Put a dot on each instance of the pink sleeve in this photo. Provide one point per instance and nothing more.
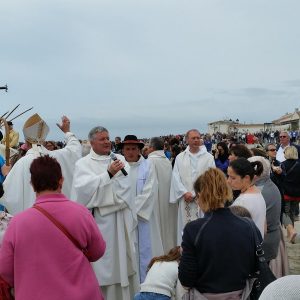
(7, 256)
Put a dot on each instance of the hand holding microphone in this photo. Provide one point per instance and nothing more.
(117, 165)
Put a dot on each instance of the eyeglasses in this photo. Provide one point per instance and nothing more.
(282, 136)
(272, 150)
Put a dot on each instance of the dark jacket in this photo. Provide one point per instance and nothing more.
(223, 257)
(291, 178)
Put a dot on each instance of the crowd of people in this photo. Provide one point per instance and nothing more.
(144, 219)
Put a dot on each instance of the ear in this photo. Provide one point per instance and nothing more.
(60, 182)
(247, 178)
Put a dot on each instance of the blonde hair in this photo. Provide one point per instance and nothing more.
(291, 152)
(212, 190)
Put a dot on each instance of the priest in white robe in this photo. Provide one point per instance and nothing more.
(100, 186)
(189, 165)
(167, 211)
(144, 189)
(18, 192)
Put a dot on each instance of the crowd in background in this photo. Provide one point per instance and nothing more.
(152, 205)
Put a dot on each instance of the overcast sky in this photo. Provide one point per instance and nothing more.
(149, 67)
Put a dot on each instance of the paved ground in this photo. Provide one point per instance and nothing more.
(294, 253)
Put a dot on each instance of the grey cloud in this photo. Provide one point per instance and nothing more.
(292, 83)
(254, 92)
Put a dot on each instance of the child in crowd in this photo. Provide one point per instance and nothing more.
(162, 276)
(240, 211)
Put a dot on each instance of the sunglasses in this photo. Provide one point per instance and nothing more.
(272, 150)
(282, 136)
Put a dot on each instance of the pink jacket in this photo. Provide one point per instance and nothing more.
(40, 262)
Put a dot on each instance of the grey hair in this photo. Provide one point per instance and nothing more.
(266, 165)
(157, 143)
(191, 130)
(96, 130)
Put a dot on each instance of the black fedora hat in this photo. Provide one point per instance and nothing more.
(132, 139)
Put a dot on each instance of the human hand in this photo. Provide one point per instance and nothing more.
(5, 169)
(216, 153)
(65, 124)
(188, 197)
(116, 166)
(276, 169)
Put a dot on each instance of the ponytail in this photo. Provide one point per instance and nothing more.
(257, 167)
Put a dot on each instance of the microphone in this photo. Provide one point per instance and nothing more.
(113, 157)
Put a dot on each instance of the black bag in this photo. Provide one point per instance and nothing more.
(264, 276)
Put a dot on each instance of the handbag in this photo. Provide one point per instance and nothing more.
(63, 229)
(264, 275)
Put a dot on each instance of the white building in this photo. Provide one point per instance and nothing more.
(229, 126)
(289, 121)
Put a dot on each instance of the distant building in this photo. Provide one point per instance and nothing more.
(289, 121)
(221, 126)
(229, 126)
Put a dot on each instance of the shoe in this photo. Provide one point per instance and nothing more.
(292, 238)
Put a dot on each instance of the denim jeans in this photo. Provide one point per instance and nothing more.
(150, 296)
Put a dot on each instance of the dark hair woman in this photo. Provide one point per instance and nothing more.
(221, 155)
(241, 174)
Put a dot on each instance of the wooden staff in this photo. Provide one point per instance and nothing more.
(22, 113)
(7, 150)
(12, 111)
(1, 118)
(4, 114)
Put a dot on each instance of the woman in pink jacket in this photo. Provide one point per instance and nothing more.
(37, 258)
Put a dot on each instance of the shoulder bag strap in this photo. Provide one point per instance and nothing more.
(60, 227)
(252, 225)
(201, 230)
(292, 168)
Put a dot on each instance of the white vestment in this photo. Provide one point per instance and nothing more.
(184, 174)
(18, 192)
(114, 212)
(167, 211)
(144, 189)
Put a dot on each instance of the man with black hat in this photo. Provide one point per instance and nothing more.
(13, 136)
(144, 188)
